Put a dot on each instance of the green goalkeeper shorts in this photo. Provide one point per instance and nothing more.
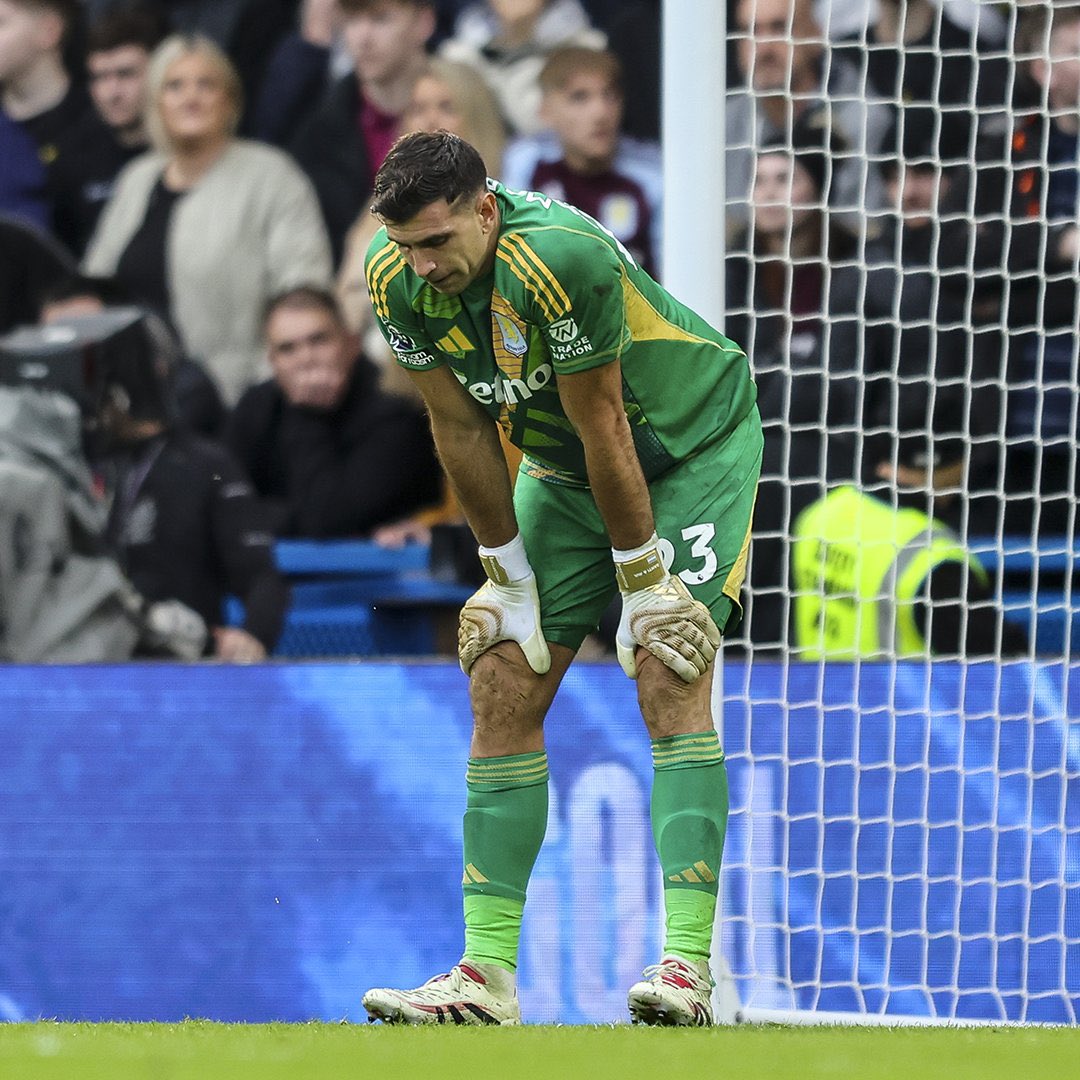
(703, 509)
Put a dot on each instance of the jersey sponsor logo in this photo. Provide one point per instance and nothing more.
(416, 359)
(509, 391)
(514, 341)
(564, 331)
(399, 342)
(581, 347)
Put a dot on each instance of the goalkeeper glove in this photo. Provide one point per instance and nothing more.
(660, 614)
(505, 608)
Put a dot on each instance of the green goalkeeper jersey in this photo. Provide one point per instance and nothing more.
(564, 296)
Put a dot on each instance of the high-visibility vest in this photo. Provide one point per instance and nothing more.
(858, 566)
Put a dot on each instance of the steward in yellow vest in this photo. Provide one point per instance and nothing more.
(859, 572)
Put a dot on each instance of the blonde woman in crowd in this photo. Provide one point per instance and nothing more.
(447, 95)
(206, 227)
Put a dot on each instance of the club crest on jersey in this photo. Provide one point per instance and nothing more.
(564, 331)
(399, 342)
(514, 341)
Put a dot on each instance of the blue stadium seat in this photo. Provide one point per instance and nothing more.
(1037, 586)
(354, 598)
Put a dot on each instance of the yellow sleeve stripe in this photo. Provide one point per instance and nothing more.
(386, 266)
(545, 304)
(529, 258)
(538, 277)
(519, 242)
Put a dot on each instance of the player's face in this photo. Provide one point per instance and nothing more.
(586, 113)
(449, 246)
(784, 195)
(386, 37)
(195, 103)
(311, 354)
(118, 84)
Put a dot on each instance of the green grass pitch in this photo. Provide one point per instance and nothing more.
(199, 1050)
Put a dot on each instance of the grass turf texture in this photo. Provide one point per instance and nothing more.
(200, 1050)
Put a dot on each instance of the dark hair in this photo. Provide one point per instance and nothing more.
(423, 168)
(126, 24)
(106, 289)
(813, 144)
(358, 7)
(303, 297)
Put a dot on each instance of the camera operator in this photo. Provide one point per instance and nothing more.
(184, 522)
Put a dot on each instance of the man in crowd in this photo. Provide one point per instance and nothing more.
(789, 73)
(93, 152)
(637, 421)
(343, 143)
(37, 91)
(330, 453)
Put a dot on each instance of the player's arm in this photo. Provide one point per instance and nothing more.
(659, 614)
(468, 443)
(507, 606)
(594, 405)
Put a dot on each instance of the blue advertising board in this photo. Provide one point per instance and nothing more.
(264, 843)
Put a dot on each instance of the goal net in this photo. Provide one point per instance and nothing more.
(902, 196)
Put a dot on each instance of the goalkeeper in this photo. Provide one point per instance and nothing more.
(642, 448)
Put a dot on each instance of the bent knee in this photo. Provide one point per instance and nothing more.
(671, 706)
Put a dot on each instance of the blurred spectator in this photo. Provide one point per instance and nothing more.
(447, 95)
(38, 93)
(915, 55)
(192, 398)
(94, 151)
(914, 322)
(184, 522)
(634, 37)
(330, 453)
(23, 191)
(785, 274)
(1010, 236)
(247, 31)
(343, 144)
(507, 41)
(30, 262)
(588, 163)
(874, 580)
(207, 227)
(298, 73)
(789, 72)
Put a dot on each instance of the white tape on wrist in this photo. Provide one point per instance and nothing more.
(506, 563)
(638, 568)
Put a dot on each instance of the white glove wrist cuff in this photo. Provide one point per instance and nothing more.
(506, 563)
(638, 568)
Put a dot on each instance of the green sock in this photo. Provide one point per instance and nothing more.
(505, 821)
(689, 819)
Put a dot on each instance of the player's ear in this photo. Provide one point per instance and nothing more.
(489, 211)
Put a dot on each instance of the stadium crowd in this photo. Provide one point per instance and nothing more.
(902, 193)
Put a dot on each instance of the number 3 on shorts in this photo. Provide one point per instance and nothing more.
(701, 538)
